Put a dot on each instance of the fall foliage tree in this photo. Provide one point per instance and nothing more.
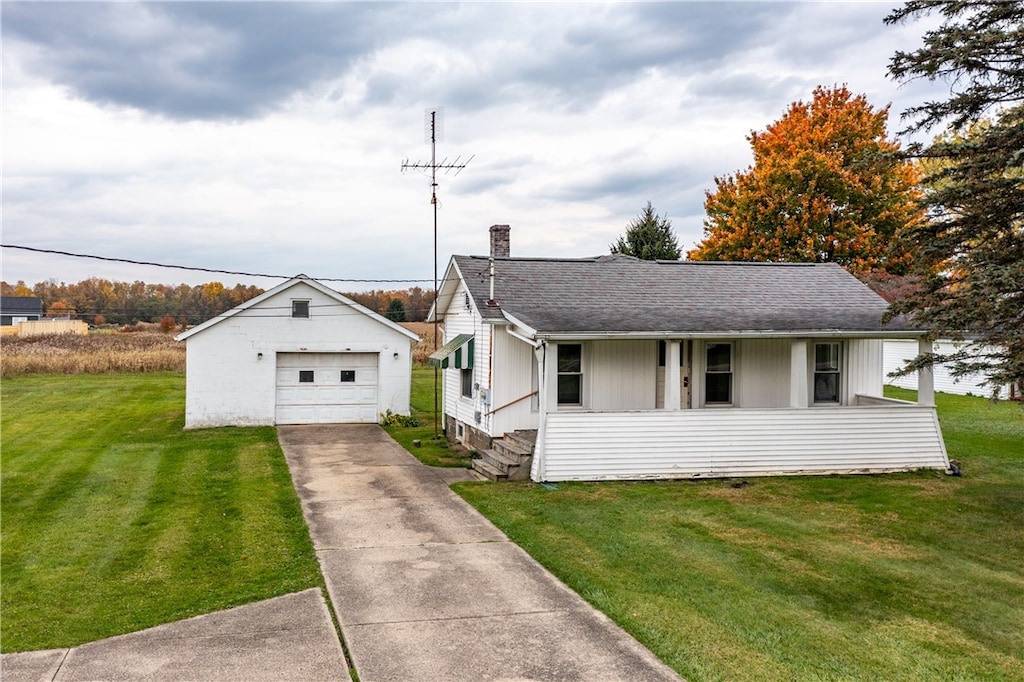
(58, 310)
(415, 302)
(971, 253)
(101, 301)
(649, 237)
(824, 187)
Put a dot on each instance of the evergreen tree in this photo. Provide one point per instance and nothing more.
(971, 253)
(396, 310)
(649, 237)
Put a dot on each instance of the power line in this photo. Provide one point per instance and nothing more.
(199, 269)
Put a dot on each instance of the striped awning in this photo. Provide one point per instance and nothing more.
(457, 353)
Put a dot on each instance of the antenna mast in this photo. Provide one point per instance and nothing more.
(433, 133)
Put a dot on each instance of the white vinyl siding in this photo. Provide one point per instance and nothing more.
(514, 376)
(863, 358)
(459, 319)
(726, 443)
(764, 380)
(898, 352)
(622, 374)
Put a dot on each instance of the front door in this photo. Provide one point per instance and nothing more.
(684, 375)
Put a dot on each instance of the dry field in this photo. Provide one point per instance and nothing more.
(91, 354)
(426, 346)
(124, 352)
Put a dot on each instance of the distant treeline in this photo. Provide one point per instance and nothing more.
(101, 301)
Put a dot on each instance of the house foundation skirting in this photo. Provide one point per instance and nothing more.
(460, 432)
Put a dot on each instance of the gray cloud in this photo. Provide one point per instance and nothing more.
(191, 60)
(238, 60)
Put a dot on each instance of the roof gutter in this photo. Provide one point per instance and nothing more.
(515, 334)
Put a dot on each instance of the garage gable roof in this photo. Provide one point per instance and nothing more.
(298, 279)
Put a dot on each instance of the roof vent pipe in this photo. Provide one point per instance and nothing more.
(490, 298)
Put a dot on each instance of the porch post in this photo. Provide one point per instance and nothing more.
(671, 397)
(925, 376)
(798, 373)
(549, 385)
(697, 362)
(545, 360)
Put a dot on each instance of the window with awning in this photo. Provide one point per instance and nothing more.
(457, 353)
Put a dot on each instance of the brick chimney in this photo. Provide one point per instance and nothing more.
(499, 241)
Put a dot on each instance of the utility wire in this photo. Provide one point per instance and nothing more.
(198, 269)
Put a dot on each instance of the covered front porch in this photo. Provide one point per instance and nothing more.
(726, 408)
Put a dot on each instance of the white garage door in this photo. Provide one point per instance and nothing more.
(326, 388)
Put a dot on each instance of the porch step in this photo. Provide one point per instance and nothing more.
(509, 457)
(527, 438)
(488, 470)
(513, 450)
(500, 460)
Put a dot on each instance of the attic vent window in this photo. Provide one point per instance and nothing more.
(300, 309)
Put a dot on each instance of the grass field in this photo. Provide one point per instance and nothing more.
(114, 519)
(432, 451)
(898, 577)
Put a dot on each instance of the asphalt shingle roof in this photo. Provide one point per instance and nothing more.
(21, 305)
(620, 294)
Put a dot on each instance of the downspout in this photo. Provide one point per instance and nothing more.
(537, 468)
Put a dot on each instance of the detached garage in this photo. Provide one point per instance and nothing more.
(299, 353)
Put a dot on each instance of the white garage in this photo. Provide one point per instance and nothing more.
(299, 353)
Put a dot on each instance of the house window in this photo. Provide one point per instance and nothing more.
(305, 376)
(718, 374)
(570, 374)
(826, 373)
(300, 309)
(348, 375)
(467, 383)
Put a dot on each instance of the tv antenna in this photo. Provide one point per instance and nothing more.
(433, 127)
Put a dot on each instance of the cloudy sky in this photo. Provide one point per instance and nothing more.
(269, 137)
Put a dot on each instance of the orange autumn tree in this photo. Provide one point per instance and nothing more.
(825, 186)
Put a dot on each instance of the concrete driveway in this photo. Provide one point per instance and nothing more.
(285, 638)
(425, 588)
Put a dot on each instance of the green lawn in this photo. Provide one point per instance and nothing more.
(431, 451)
(898, 577)
(114, 519)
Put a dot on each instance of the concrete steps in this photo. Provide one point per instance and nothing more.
(509, 457)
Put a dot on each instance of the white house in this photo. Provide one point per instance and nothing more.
(898, 352)
(17, 309)
(299, 353)
(616, 368)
